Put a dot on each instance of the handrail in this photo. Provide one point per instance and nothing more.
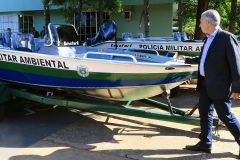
(129, 49)
(111, 54)
(50, 36)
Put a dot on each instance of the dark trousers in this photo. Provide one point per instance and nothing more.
(223, 110)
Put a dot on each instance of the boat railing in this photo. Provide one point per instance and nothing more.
(6, 48)
(109, 56)
(136, 50)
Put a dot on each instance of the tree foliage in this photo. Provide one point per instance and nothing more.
(69, 7)
(46, 7)
(222, 6)
(146, 18)
(113, 6)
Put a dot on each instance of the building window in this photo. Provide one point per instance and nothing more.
(9, 21)
(89, 24)
(25, 23)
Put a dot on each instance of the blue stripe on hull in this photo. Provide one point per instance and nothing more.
(42, 80)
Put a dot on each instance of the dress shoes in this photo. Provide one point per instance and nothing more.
(239, 153)
(197, 147)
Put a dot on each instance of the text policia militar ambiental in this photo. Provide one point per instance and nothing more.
(33, 61)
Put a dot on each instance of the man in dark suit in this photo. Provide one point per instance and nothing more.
(218, 80)
(34, 32)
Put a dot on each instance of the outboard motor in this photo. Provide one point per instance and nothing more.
(106, 32)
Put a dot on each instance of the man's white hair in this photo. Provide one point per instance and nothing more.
(212, 15)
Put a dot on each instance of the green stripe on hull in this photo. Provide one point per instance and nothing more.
(180, 53)
(163, 53)
(92, 75)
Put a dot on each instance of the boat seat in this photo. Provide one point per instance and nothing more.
(183, 36)
(23, 42)
(1, 41)
(16, 41)
(180, 36)
(127, 36)
(176, 36)
(6, 36)
(39, 42)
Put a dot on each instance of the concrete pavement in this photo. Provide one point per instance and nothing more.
(102, 136)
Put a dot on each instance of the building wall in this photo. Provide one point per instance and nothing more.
(30, 5)
(55, 17)
(140, 2)
(24, 5)
(160, 20)
(21, 5)
(161, 14)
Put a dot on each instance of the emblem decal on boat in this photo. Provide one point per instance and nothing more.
(101, 50)
(82, 71)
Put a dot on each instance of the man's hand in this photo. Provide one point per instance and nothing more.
(181, 57)
(236, 95)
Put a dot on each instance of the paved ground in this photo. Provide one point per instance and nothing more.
(65, 134)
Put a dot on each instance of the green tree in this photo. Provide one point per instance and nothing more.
(233, 15)
(46, 6)
(202, 6)
(189, 15)
(146, 18)
(69, 7)
(109, 6)
(229, 15)
(180, 16)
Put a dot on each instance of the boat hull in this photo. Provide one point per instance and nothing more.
(127, 93)
(103, 79)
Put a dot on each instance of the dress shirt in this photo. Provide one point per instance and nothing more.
(210, 38)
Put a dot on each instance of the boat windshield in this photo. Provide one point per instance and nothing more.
(64, 35)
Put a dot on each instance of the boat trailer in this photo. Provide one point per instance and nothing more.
(71, 100)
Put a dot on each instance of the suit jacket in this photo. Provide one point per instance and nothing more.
(221, 67)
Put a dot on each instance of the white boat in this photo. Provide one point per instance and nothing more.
(178, 43)
(59, 62)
